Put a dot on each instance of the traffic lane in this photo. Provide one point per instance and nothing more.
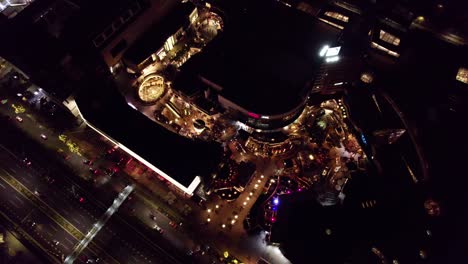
(50, 232)
(35, 223)
(54, 195)
(17, 204)
(34, 150)
(173, 235)
(31, 177)
(65, 206)
(45, 230)
(50, 236)
(118, 251)
(126, 245)
(140, 246)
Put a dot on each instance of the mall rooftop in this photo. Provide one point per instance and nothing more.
(263, 60)
(178, 159)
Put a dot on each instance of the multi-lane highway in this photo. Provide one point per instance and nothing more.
(56, 212)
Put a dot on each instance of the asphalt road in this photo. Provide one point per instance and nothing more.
(119, 240)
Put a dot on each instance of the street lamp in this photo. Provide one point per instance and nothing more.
(209, 210)
(208, 219)
(223, 226)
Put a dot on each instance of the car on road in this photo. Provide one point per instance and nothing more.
(87, 162)
(19, 119)
(174, 224)
(43, 136)
(153, 217)
(27, 162)
(94, 171)
(111, 171)
(158, 228)
(93, 260)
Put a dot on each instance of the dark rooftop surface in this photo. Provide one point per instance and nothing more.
(181, 158)
(154, 38)
(264, 57)
(396, 225)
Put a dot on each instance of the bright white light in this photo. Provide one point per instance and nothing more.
(132, 106)
(36, 92)
(332, 59)
(323, 51)
(333, 51)
(276, 201)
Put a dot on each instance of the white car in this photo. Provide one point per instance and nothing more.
(158, 228)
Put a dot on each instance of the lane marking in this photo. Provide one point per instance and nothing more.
(53, 214)
(31, 239)
(69, 241)
(13, 203)
(17, 198)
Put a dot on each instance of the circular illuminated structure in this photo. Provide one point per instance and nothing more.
(152, 88)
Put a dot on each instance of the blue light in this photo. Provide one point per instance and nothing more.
(363, 139)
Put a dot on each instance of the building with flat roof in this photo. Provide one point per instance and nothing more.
(183, 162)
(160, 38)
(261, 66)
